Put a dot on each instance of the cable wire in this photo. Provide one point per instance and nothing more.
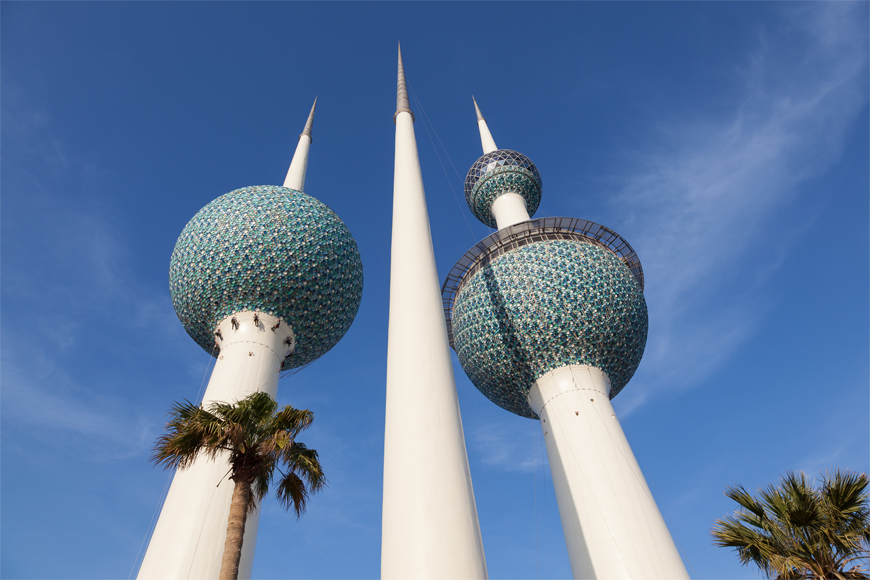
(200, 392)
(426, 117)
(137, 563)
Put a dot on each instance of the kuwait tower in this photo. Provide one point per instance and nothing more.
(549, 322)
(430, 527)
(264, 278)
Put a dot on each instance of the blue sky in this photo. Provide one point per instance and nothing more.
(727, 142)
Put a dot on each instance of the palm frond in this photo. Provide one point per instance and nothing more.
(263, 476)
(291, 420)
(745, 499)
(292, 493)
(253, 438)
(795, 530)
(304, 462)
(190, 432)
(846, 492)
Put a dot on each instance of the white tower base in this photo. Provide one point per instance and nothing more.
(610, 520)
(188, 541)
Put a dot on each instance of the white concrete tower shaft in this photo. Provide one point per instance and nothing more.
(188, 540)
(430, 527)
(508, 208)
(612, 526)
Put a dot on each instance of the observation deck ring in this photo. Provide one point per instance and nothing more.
(528, 232)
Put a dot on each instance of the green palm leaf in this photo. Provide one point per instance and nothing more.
(257, 439)
(795, 530)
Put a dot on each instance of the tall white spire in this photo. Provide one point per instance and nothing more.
(402, 103)
(486, 139)
(509, 208)
(430, 527)
(296, 174)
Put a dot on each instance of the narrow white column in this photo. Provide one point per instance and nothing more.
(430, 528)
(509, 209)
(188, 541)
(299, 165)
(610, 520)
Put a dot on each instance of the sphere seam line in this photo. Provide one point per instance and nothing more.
(240, 342)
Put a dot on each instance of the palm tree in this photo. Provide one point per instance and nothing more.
(257, 440)
(796, 531)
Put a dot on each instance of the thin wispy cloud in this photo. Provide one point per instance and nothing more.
(69, 271)
(42, 398)
(500, 445)
(704, 191)
(839, 446)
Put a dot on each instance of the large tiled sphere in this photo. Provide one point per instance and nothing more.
(543, 306)
(497, 173)
(268, 249)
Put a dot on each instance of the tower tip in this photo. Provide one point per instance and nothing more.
(402, 103)
(477, 109)
(309, 124)
(485, 136)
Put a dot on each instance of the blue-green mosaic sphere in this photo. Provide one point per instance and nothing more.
(268, 249)
(497, 173)
(543, 306)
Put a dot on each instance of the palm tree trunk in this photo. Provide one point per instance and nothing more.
(235, 530)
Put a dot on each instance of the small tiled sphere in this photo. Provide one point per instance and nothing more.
(268, 249)
(497, 173)
(546, 305)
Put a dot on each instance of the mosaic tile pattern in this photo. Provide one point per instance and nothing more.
(543, 306)
(268, 249)
(497, 173)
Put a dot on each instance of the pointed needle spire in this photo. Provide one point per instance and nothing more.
(299, 166)
(486, 139)
(422, 414)
(402, 103)
(477, 109)
(310, 122)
